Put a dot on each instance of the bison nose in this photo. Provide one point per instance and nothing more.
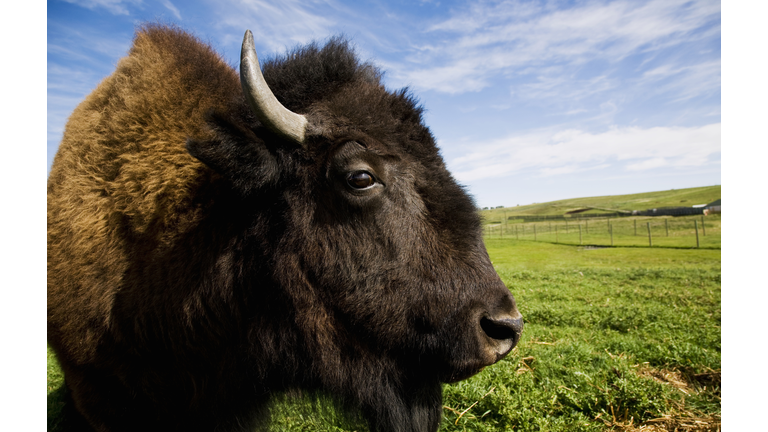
(503, 332)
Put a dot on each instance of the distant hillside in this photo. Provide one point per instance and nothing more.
(611, 203)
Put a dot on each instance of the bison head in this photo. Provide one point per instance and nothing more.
(384, 281)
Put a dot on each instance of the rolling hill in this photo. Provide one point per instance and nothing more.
(611, 203)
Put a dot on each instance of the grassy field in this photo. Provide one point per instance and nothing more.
(641, 201)
(615, 339)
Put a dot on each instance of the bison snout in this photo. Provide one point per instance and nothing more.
(502, 333)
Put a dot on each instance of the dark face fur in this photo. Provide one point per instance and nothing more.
(379, 237)
(398, 252)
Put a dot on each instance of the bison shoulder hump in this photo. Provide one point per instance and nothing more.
(123, 149)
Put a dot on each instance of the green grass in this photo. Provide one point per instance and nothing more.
(613, 338)
(613, 334)
(641, 201)
(55, 393)
(510, 255)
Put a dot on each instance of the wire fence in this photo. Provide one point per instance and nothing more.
(685, 231)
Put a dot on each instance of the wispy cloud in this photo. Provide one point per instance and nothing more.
(280, 24)
(564, 88)
(512, 38)
(685, 81)
(77, 44)
(116, 7)
(172, 8)
(550, 153)
(123, 7)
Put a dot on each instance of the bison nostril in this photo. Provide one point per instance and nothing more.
(502, 329)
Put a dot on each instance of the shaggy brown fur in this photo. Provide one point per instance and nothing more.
(197, 263)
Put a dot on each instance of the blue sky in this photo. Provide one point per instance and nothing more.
(529, 101)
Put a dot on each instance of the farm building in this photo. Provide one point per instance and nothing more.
(712, 208)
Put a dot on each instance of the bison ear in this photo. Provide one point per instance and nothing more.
(237, 154)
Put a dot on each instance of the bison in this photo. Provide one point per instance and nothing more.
(215, 239)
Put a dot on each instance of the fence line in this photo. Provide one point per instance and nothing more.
(681, 231)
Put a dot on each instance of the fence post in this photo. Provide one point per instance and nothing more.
(587, 226)
(580, 234)
(610, 228)
(650, 242)
(666, 225)
(517, 236)
(703, 229)
(696, 226)
(556, 238)
(635, 226)
(534, 232)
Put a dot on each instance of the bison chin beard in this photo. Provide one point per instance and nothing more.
(436, 367)
(460, 359)
(415, 405)
(450, 374)
(461, 374)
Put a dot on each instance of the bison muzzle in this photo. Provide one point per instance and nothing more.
(214, 239)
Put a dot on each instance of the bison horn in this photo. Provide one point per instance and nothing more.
(263, 102)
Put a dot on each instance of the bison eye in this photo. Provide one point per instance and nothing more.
(360, 180)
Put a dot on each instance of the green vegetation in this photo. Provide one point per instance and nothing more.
(615, 339)
(55, 393)
(603, 204)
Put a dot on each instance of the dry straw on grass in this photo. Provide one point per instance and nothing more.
(668, 423)
(681, 419)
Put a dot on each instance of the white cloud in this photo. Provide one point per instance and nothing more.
(551, 153)
(172, 8)
(116, 7)
(510, 37)
(79, 45)
(685, 81)
(120, 7)
(568, 90)
(278, 25)
(648, 164)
